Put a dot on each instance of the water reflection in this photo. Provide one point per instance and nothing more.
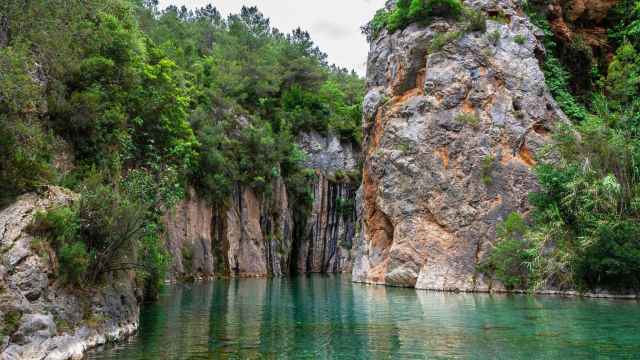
(329, 317)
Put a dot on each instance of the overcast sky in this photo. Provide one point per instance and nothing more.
(334, 24)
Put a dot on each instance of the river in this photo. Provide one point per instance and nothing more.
(328, 317)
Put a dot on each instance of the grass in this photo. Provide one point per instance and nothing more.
(486, 169)
(500, 17)
(10, 322)
(403, 147)
(442, 39)
(468, 119)
(520, 39)
(477, 20)
(95, 320)
(494, 37)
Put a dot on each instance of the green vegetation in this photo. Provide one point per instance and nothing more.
(477, 20)
(508, 260)
(585, 227)
(486, 169)
(442, 39)
(407, 12)
(104, 231)
(10, 322)
(500, 17)
(143, 103)
(345, 207)
(494, 37)
(470, 119)
(519, 39)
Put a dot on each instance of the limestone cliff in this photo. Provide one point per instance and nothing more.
(450, 138)
(40, 318)
(261, 234)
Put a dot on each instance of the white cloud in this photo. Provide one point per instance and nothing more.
(333, 24)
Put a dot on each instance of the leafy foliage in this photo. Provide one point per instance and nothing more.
(585, 226)
(109, 229)
(410, 11)
(442, 39)
(507, 261)
(154, 101)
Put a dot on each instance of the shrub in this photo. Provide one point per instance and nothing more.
(494, 37)
(10, 322)
(410, 11)
(399, 18)
(379, 22)
(26, 157)
(507, 260)
(74, 262)
(109, 229)
(486, 169)
(520, 39)
(444, 8)
(468, 119)
(417, 9)
(477, 20)
(442, 39)
(500, 17)
(60, 225)
(345, 207)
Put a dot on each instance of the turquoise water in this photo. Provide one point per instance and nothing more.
(328, 317)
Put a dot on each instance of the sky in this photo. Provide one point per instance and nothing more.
(334, 25)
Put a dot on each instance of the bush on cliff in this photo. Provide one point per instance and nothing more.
(407, 12)
(585, 230)
(109, 229)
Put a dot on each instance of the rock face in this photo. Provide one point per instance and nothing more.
(325, 246)
(250, 237)
(450, 135)
(570, 19)
(39, 317)
(266, 235)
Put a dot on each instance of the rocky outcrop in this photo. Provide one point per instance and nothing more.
(328, 154)
(572, 19)
(40, 318)
(264, 234)
(450, 138)
(324, 246)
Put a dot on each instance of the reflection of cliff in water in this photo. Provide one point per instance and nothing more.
(327, 316)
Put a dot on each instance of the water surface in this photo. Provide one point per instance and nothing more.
(322, 317)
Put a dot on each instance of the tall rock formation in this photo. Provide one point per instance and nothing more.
(325, 244)
(450, 138)
(265, 234)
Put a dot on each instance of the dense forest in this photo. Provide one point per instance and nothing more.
(130, 105)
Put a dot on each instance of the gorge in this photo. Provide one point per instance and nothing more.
(217, 187)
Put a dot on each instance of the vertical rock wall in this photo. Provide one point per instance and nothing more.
(450, 138)
(256, 235)
(325, 246)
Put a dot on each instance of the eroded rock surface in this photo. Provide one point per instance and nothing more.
(265, 234)
(40, 318)
(450, 138)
